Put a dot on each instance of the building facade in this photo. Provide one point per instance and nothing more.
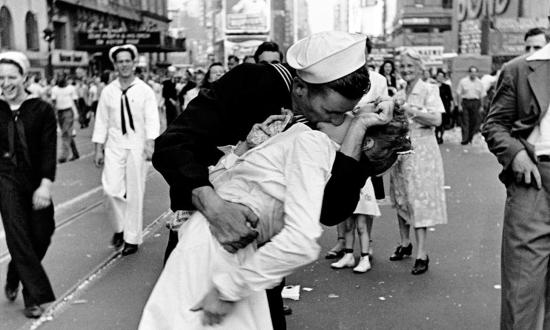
(497, 28)
(21, 26)
(82, 31)
(423, 23)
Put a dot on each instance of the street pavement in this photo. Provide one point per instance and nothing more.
(98, 289)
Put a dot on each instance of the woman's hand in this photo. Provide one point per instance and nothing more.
(42, 196)
(364, 119)
(214, 309)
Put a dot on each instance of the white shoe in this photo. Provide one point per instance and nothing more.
(348, 260)
(363, 266)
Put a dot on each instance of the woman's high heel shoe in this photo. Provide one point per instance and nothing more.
(420, 266)
(402, 252)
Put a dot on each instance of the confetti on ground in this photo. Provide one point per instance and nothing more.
(89, 255)
(80, 301)
(156, 235)
(381, 298)
(431, 229)
(307, 289)
(497, 286)
(446, 187)
(332, 295)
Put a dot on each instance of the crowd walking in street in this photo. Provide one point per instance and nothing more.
(260, 156)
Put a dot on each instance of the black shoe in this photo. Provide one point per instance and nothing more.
(402, 252)
(464, 143)
(420, 266)
(11, 293)
(129, 249)
(74, 158)
(439, 140)
(334, 254)
(287, 310)
(33, 312)
(62, 160)
(118, 240)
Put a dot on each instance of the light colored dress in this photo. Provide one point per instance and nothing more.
(367, 201)
(417, 179)
(282, 181)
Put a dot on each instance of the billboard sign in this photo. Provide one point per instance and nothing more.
(431, 55)
(247, 16)
(94, 40)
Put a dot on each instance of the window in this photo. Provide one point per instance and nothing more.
(5, 28)
(32, 31)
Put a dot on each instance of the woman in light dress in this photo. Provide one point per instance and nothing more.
(282, 180)
(417, 180)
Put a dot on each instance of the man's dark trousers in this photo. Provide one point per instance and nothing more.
(274, 299)
(525, 253)
(28, 235)
(470, 119)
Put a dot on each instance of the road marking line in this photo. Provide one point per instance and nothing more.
(91, 277)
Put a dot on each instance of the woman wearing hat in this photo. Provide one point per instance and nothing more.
(416, 182)
(27, 170)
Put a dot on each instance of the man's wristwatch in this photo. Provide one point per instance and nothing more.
(180, 216)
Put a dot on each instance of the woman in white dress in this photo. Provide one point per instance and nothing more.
(282, 180)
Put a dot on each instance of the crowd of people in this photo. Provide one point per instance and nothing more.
(310, 134)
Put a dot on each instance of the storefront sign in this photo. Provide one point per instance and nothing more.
(247, 16)
(96, 40)
(431, 55)
(468, 9)
(69, 58)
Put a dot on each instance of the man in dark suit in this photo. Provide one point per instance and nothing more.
(517, 131)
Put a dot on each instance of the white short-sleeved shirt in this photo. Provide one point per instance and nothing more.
(64, 97)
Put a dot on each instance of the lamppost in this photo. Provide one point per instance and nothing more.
(49, 37)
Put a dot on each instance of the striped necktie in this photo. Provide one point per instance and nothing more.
(123, 101)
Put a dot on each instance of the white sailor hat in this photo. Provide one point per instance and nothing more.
(18, 58)
(114, 50)
(327, 56)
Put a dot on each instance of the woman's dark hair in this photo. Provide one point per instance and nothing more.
(12, 62)
(267, 46)
(61, 80)
(393, 81)
(105, 76)
(352, 86)
(383, 144)
(205, 81)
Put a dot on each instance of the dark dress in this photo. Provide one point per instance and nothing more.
(446, 96)
(28, 146)
(170, 95)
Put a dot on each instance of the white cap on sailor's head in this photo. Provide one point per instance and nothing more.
(114, 50)
(17, 58)
(326, 56)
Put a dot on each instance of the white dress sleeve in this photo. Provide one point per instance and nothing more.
(433, 103)
(307, 170)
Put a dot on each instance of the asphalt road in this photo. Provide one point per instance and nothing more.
(460, 291)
